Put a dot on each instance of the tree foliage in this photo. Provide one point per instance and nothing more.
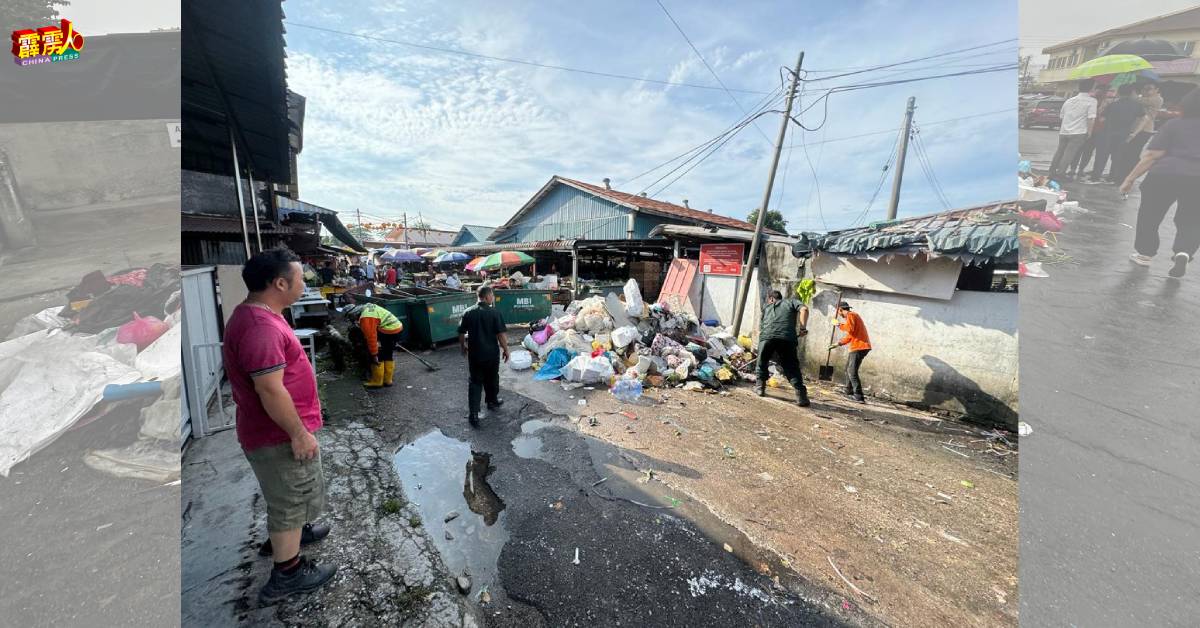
(32, 14)
(774, 220)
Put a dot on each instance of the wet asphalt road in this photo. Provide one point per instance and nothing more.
(637, 566)
(1110, 477)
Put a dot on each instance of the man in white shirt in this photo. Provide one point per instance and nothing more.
(453, 282)
(1078, 116)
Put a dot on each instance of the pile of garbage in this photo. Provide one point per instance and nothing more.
(1043, 203)
(628, 344)
(116, 340)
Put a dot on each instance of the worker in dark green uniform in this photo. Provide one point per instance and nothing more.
(778, 337)
(481, 336)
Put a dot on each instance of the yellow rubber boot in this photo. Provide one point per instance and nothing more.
(389, 372)
(376, 380)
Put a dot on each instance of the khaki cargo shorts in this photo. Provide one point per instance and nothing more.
(294, 490)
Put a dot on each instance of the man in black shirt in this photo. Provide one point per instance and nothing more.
(481, 336)
(327, 274)
(1119, 119)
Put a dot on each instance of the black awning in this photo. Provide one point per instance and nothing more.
(339, 231)
(233, 75)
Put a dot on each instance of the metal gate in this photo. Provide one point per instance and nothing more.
(203, 371)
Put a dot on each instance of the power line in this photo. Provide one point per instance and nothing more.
(536, 64)
(946, 121)
(927, 164)
(710, 68)
(882, 178)
(907, 61)
(762, 103)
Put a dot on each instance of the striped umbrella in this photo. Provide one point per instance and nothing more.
(1109, 64)
(473, 265)
(433, 254)
(504, 259)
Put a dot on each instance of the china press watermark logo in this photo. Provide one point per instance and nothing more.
(49, 44)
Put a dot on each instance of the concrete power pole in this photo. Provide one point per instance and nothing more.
(748, 272)
(905, 132)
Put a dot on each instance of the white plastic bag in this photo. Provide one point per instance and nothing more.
(520, 360)
(633, 299)
(622, 336)
(589, 370)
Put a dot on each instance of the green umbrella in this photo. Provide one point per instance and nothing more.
(1109, 64)
(504, 259)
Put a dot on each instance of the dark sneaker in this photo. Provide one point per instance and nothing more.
(473, 419)
(495, 405)
(310, 533)
(308, 577)
(761, 391)
(860, 398)
(802, 398)
(1181, 261)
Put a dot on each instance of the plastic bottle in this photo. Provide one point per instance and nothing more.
(627, 390)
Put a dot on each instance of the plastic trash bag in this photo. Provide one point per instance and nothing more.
(520, 360)
(543, 335)
(589, 370)
(627, 390)
(622, 336)
(633, 299)
(528, 343)
(141, 331)
(553, 366)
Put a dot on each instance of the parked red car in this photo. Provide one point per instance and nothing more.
(1043, 113)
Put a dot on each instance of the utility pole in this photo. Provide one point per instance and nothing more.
(406, 230)
(905, 132)
(748, 272)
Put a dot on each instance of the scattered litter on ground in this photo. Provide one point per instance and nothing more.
(450, 516)
(1023, 429)
(576, 561)
(850, 489)
(728, 548)
(847, 581)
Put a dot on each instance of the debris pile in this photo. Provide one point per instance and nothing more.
(1043, 204)
(618, 342)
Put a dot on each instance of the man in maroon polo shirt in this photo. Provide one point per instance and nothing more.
(277, 413)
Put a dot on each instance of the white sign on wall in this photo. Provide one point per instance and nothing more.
(174, 133)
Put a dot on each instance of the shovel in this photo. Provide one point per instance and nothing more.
(825, 372)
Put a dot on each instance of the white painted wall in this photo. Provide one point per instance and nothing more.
(919, 276)
(958, 355)
(713, 296)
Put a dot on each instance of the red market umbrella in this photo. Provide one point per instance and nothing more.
(473, 265)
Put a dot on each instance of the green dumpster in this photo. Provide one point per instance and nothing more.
(394, 303)
(435, 313)
(523, 306)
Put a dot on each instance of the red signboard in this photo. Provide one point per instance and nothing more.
(721, 259)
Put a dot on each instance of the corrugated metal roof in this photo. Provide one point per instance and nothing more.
(421, 237)
(492, 247)
(227, 224)
(985, 231)
(662, 207)
(648, 206)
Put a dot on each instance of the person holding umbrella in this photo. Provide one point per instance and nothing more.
(1120, 118)
(860, 345)
(1151, 100)
(1172, 160)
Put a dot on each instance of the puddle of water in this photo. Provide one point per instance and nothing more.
(441, 475)
(533, 425)
(527, 446)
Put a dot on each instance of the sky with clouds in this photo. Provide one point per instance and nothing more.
(392, 128)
